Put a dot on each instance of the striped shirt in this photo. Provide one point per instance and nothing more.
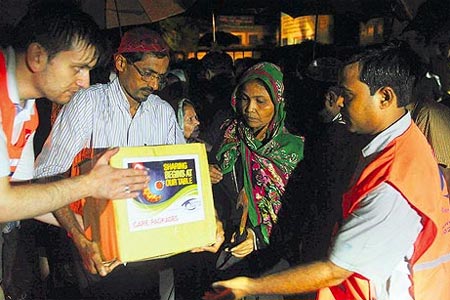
(433, 119)
(99, 117)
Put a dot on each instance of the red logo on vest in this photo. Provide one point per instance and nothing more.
(27, 134)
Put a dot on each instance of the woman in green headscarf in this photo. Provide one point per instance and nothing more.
(254, 161)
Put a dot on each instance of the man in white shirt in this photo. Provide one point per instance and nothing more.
(124, 112)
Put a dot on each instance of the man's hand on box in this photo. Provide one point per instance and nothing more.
(220, 238)
(112, 183)
(92, 256)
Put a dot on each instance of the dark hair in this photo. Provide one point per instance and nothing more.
(57, 26)
(218, 62)
(387, 65)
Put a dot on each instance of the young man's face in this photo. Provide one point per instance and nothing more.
(360, 111)
(66, 73)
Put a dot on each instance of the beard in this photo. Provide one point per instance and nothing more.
(142, 94)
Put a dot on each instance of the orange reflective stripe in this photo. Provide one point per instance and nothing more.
(8, 114)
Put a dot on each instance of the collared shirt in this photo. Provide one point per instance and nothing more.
(375, 241)
(24, 169)
(99, 117)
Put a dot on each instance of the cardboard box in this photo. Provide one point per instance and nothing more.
(173, 215)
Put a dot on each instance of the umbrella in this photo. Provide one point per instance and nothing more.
(222, 39)
(119, 13)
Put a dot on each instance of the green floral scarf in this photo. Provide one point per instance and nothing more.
(267, 164)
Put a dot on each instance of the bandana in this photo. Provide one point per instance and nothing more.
(142, 39)
(266, 164)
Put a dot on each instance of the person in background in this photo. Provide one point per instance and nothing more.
(176, 87)
(397, 176)
(242, 64)
(217, 81)
(432, 117)
(124, 112)
(50, 56)
(188, 120)
(312, 201)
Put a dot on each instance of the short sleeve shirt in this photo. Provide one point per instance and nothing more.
(377, 239)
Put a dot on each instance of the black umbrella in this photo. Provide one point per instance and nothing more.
(118, 13)
(222, 39)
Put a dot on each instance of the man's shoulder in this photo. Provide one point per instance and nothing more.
(433, 110)
(89, 96)
(99, 88)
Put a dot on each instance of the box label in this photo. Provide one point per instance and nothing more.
(172, 196)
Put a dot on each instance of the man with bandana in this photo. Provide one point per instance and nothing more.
(124, 112)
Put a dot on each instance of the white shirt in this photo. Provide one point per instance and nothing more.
(99, 117)
(24, 169)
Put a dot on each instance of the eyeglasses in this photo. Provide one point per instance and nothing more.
(150, 75)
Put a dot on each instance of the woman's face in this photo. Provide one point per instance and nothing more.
(255, 104)
(190, 121)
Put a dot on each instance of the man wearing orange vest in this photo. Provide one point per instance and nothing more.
(50, 56)
(394, 242)
(53, 60)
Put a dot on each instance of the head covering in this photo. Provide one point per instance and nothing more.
(180, 111)
(179, 73)
(142, 39)
(267, 164)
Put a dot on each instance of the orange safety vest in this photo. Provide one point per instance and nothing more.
(8, 114)
(407, 164)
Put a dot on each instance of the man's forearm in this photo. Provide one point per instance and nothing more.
(103, 182)
(297, 280)
(20, 202)
(66, 218)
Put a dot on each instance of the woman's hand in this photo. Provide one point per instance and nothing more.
(215, 174)
(220, 238)
(246, 247)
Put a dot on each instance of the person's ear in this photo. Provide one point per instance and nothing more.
(36, 57)
(330, 98)
(387, 97)
(120, 62)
